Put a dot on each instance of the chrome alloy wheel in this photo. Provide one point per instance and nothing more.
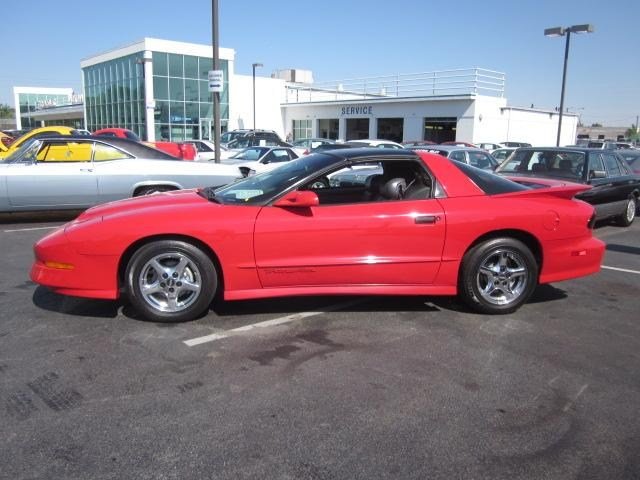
(502, 277)
(170, 282)
(630, 213)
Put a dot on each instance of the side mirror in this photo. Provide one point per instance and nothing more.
(298, 199)
(597, 174)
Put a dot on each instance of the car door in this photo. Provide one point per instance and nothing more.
(602, 195)
(383, 242)
(59, 175)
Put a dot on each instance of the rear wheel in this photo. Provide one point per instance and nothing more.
(498, 276)
(628, 214)
(171, 281)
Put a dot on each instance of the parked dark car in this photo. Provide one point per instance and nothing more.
(476, 157)
(632, 157)
(615, 189)
(515, 144)
(256, 138)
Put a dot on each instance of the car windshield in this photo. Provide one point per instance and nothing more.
(131, 135)
(545, 163)
(228, 137)
(249, 154)
(26, 153)
(258, 189)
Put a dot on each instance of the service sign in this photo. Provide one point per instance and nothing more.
(216, 81)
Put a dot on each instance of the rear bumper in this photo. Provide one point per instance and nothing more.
(567, 259)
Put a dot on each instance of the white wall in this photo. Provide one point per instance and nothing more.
(539, 128)
(269, 93)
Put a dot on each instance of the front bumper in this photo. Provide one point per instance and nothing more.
(91, 276)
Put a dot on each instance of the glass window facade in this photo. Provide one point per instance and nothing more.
(181, 91)
(30, 102)
(114, 94)
(302, 129)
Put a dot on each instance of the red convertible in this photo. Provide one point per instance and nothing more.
(343, 222)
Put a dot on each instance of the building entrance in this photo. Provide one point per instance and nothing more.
(440, 129)
(390, 129)
(357, 128)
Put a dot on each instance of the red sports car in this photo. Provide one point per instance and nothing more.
(352, 221)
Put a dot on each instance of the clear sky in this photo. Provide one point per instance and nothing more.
(43, 42)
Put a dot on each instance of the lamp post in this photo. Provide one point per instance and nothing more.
(560, 32)
(254, 66)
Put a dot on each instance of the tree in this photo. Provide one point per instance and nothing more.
(632, 133)
(596, 125)
(6, 111)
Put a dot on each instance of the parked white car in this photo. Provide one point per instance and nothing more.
(205, 150)
(254, 160)
(72, 173)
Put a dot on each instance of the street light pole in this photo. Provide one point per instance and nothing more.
(559, 32)
(216, 66)
(254, 66)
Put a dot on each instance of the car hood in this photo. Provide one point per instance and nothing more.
(140, 205)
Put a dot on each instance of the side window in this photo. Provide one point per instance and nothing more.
(595, 163)
(480, 160)
(65, 152)
(458, 156)
(387, 180)
(613, 169)
(103, 153)
(279, 156)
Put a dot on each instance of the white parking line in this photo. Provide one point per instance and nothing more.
(30, 229)
(268, 323)
(621, 270)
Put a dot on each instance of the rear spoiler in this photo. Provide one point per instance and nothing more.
(567, 191)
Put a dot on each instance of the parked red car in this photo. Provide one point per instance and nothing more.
(343, 222)
(184, 151)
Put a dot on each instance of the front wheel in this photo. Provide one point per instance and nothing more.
(171, 281)
(498, 276)
(628, 214)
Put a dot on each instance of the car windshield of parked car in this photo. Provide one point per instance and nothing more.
(131, 135)
(249, 154)
(26, 153)
(545, 163)
(257, 189)
(489, 182)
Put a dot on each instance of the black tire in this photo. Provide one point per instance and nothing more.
(497, 276)
(171, 270)
(152, 189)
(629, 213)
(319, 183)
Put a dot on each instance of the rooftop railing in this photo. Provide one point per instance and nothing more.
(470, 81)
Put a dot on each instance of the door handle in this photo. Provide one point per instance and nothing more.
(426, 219)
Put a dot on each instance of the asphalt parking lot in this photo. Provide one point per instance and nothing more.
(322, 388)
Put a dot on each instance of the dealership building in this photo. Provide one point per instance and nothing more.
(159, 89)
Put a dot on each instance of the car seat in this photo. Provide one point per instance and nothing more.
(394, 189)
(373, 184)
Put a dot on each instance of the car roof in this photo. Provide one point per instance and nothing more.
(450, 148)
(560, 149)
(356, 153)
(135, 148)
